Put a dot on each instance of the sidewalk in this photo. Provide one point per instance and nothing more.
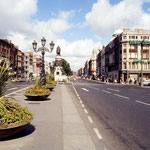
(56, 125)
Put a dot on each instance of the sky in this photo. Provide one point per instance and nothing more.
(77, 26)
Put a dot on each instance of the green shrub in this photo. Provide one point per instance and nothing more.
(37, 91)
(12, 114)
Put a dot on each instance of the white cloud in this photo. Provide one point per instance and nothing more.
(76, 53)
(18, 26)
(16, 22)
(104, 18)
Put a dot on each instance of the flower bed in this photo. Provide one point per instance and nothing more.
(12, 114)
(49, 86)
(37, 91)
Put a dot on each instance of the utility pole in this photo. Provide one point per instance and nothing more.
(142, 43)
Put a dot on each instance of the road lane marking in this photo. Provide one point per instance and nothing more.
(85, 111)
(79, 97)
(83, 106)
(90, 119)
(122, 96)
(11, 89)
(106, 91)
(99, 136)
(81, 102)
(96, 88)
(17, 91)
(75, 90)
(85, 89)
(143, 103)
(113, 90)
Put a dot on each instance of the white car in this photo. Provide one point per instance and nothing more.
(146, 82)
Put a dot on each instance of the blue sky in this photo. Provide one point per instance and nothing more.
(77, 26)
(49, 8)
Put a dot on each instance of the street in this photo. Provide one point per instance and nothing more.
(121, 113)
(84, 115)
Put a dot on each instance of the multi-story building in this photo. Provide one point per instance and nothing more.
(4, 52)
(86, 69)
(26, 65)
(123, 56)
(92, 65)
(47, 67)
(19, 63)
(98, 64)
(30, 64)
(103, 63)
(8, 54)
(36, 65)
(81, 72)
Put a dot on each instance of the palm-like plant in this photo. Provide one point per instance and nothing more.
(4, 76)
(11, 113)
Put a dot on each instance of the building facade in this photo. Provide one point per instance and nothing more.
(123, 56)
(36, 65)
(8, 54)
(92, 65)
(30, 64)
(98, 65)
(86, 69)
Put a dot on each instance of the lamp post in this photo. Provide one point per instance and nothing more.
(142, 43)
(43, 49)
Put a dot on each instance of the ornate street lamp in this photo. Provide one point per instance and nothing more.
(142, 44)
(42, 50)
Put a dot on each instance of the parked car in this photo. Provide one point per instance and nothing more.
(146, 82)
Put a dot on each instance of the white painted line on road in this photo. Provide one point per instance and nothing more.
(81, 102)
(85, 111)
(122, 96)
(99, 136)
(17, 91)
(85, 89)
(12, 89)
(79, 97)
(90, 119)
(75, 90)
(83, 106)
(113, 90)
(143, 103)
(96, 88)
(106, 91)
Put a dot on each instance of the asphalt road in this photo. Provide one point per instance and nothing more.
(12, 87)
(121, 113)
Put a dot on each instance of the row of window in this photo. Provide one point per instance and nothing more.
(135, 37)
(133, 65)
(135, 55)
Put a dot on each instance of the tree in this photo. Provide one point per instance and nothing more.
(66, 67)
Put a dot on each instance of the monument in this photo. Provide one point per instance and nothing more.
(59, 73)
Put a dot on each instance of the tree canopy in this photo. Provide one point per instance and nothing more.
(66, 67)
